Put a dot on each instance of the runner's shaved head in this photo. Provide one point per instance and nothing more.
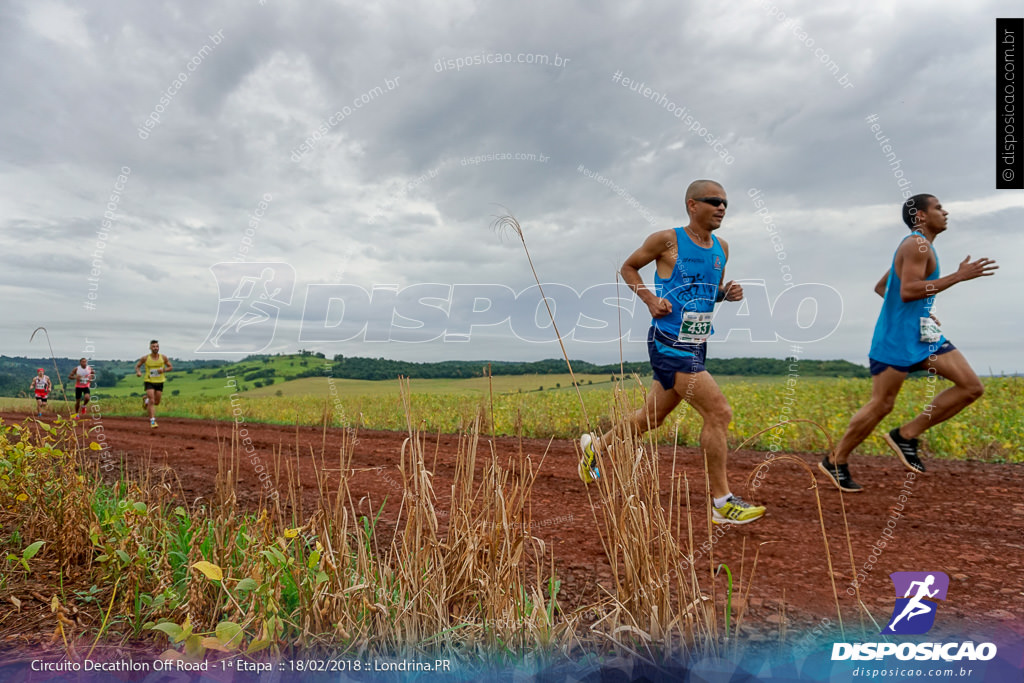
(702, 188)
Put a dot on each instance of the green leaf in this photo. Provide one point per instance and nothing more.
(321, 577)
(123, 556)
(256, 646)
(314, 559)
(274, 627)
(186, 630)
(194, 648)
(31, 551)
(229, 633)
(170, 628)
(140, 508)
(247, 584)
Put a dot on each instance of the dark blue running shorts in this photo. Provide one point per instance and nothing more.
(669, 356)
(878, 367)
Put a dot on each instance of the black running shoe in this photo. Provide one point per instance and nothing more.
(839, 475)
(906, 449)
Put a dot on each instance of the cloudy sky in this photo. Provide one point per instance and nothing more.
(343, 164)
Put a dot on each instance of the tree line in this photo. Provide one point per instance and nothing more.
(16, 372)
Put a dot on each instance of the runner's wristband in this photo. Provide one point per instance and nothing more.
(721, 295)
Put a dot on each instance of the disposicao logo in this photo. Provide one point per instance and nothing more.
(914, 614)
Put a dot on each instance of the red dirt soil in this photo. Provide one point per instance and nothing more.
(962, 518)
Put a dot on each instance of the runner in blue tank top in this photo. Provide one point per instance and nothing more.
(907, 338)
(690, 264)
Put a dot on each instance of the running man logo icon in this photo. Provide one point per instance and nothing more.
(250, 297)
(914, 613)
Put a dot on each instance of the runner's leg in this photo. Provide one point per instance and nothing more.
(885, 387)
(966, 389)
(702, 392)
(659, 404)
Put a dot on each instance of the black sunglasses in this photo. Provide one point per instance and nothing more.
(713, 201)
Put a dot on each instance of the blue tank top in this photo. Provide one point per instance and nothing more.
(897, 337)
(693, 285)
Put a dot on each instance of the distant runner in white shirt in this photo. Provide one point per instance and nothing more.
(84, 376)
(41, 386)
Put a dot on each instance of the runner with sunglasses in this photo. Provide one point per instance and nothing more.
(689, 276)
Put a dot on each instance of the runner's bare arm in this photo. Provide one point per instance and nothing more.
(880, 287)
(730, 291)
(912, 273)
(139, 365)
(167, 364)
(653, 248)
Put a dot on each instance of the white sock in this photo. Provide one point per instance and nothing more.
(719, 502)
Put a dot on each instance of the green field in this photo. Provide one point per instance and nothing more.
(304, 374)
(212, 380)
(992, 429)
(321, 386)
(474, 386)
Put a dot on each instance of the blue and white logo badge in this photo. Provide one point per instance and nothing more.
(914, 613)
(250, 297)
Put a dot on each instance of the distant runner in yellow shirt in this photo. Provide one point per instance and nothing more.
(156, 365)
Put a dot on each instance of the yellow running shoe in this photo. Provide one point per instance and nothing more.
(736, 511)
(588, 465)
